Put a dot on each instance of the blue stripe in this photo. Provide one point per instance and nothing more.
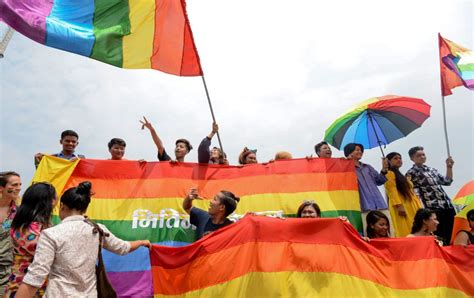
(138, 260)
(70, 26)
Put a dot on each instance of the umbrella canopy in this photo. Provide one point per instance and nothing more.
(378, 121)
(465, 196)
(460, 221)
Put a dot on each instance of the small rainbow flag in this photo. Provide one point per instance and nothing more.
(269, 257)
(457, 67)
(144, 201)
(126, 33)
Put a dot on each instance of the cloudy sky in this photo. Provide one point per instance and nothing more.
(278, 74)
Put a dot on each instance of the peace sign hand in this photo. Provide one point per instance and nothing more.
(146, 123)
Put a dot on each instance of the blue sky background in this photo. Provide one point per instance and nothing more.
(278, 76)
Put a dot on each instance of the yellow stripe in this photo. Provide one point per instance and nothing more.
(122, 209)
(311, 284)
(138, 46)
(54, 170)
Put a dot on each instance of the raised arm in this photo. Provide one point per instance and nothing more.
(188, 200)
(154, 135)
(204, 153)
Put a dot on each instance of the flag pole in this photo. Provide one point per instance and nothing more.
(212, 111)
(442, 95)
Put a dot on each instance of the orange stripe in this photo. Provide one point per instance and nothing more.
(239, 260)
(173, 187)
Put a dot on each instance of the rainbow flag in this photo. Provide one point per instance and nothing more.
(144, 201)
(125, 33)
(457, 67)
(269, 257)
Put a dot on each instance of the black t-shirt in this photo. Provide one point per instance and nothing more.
(164, 156)
(203, 222)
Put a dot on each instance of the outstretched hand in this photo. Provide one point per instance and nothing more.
(146, 123)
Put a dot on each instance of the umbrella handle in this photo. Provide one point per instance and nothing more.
(375, 131)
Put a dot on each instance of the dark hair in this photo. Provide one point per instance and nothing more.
(117, 141)
(421, 215)
(403, 186)
(4, 176)
(317, 147)
(222, 155)
(245, 152)
(306, 204)
(186, 143)
(372, 218)
(349, 148)
(470, 214)
(78, 197)
(413, 150)
(229, 200)
(69, 133)
(36, 205)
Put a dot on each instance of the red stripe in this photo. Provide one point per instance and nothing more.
(110, 169)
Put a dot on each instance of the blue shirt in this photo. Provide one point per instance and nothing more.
(203, 222)
(68, 157)
(368, 179)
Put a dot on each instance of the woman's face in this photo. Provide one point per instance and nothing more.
(11, 191)
(396, 161)
(356, 154)
(380, 228)
(431, 223)
(215, 154)
(309, 212)
(251, 158)
(117, 152)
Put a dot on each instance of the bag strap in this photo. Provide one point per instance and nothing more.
(97, 229)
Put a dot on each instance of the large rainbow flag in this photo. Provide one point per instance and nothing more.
(457, 66)
(126, 33)
(269, 257)
(144, 201)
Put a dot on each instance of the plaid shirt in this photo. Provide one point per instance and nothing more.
(427, 184)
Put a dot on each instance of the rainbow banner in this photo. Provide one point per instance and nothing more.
(457, 68)
(125, 33)
(144, 201)
(268, 257)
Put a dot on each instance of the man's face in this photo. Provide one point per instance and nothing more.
(356, 154)
(419, 157)
(117, 152)
(180, 150)
(69, 143)
(215, 205)
(325, 152)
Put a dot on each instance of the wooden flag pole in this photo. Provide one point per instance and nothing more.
(212, 111)
(442, 95)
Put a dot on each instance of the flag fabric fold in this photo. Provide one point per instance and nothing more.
(456, 66)
(125, 33)
(269, 257)
(144, 201)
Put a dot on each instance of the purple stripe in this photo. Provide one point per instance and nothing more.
(27, 17)
(132, 283)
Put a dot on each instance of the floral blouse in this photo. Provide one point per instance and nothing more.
(24, 247)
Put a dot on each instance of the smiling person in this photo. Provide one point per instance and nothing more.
(214, 155)
(403, 202)
(221, 206)
(117, 148)
(323, 150)
(182, 148)
(368, 180)
(428, 183)
(378, 225)
(308, 209)
(10, 187)
(248, 156)
(69, 140)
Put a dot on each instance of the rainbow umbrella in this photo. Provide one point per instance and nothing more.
(378, 121)
(460, 221)
(465, 196)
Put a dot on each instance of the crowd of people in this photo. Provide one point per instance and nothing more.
(37, 258)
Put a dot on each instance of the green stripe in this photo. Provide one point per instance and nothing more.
(466, 67)
(123, 229)
(111, 23)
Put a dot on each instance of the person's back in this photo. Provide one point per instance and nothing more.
(73, 247)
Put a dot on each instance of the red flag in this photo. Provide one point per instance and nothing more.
(449, 79)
